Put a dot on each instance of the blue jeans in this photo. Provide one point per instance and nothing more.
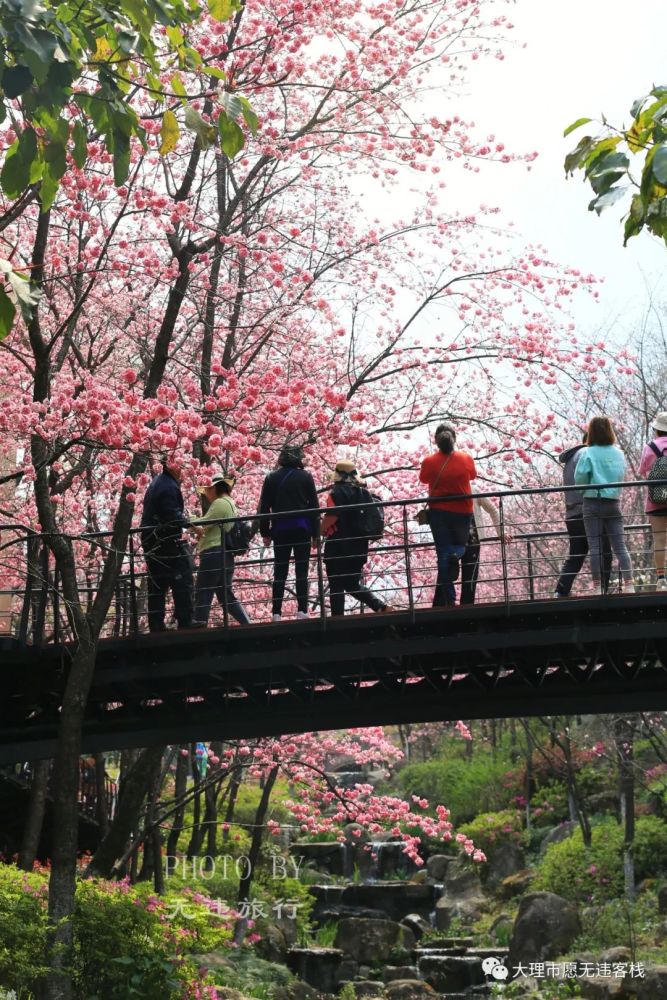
(450, 533)
(604, 517)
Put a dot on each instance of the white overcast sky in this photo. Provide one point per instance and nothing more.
(582, 58)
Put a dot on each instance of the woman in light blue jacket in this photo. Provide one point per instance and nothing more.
(602, 462)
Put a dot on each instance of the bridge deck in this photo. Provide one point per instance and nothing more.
(580, 656)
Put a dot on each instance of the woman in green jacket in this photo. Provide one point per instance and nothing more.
(600, 464)
(216, 570)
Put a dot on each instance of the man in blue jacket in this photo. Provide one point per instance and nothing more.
(168, 560)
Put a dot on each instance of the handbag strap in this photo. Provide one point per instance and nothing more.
(442, 469)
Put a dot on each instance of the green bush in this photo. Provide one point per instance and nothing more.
(596, 873)
(22, 927)
(488, 830)
(466, 787)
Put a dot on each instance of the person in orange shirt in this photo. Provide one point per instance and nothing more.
(448, 473)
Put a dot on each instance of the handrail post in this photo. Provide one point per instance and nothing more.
(408, 568)
(134, 613)
(223, 560)
(56, 605)
(531, 569)
(503, 551)
(320, 580)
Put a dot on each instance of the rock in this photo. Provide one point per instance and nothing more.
(410, 989)
(462, 896)
(448, 974)
(229, 993)
(501, 928)
(335, 913)
(653, 985)
(516, 885)
(416, 924)
(603, 802)
(419, 877)
(319, 967)
(213, 961)
(601, 987)
(348, 969)
(372, 940)
(394, 899)
(394, 972)
(297, 990)
(545, 927)
(355, 833)
(368, 988)
(437, 866)
(561, 832)
(505, 859)
(272, 944)
(618, 954)
(329, 855)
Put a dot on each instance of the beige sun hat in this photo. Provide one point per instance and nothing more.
(346, 472)
(659, 422)
(218, 477)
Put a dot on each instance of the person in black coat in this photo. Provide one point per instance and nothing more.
(346, 549)
(168, 561)
(290, 488)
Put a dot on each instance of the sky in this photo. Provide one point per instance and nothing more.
(582, 58)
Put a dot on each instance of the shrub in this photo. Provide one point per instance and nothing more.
(22, 927)
(488, 830)
(596, 873)
(466, 787)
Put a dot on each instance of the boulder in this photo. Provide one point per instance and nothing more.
(394, 972)
(327, 855)
(416, 924)
(368, 988)
(372, 940)
(662, 899)
(297, 990)
(617, 954)
(394, 899)
(516, 885)
(229, 993)
(461, 897)
(410, 989)
(602, 987)
(558, 833)
(504, 860)
(653, 985)
(501, 928)
(272, 944)
(545, 927)
(448, 974)
(319, 967)
(437, 866)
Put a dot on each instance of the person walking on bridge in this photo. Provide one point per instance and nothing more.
(600, 464)
(653, 462)
(576, 531)
(346, 545)
(168, 561)
(216, 567)
(290, 489)
(448, 473)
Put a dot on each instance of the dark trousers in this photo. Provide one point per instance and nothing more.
(285, 543)
(169, 568)
(469, 572)
(578, 551)
(450, 532)
(344, 575)
(215, 577)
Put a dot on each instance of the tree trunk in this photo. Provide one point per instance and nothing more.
(257, 833)
(180, 787)
(32, 830)
(194, 845)
(625, 750)
(101, 804)
(131, 795)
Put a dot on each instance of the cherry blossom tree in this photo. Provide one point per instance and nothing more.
(231, 289)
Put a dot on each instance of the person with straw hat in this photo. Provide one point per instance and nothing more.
(653, 465)
(346, 548)
(216, 569)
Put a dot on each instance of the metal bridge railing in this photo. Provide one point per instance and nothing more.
(520, 562)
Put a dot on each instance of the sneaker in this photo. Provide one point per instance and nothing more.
(628, 588)
(276, 618)
(302, 614)
(661, 584)
(558, 594)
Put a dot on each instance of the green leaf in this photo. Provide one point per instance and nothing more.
(16, 80)
(177, 85)
(576, 158)
(26, 296)
(222, 10)
(659, 165)
(215, 71)
(575, 125)
(121, 157)
(205, 132)
(7, 313)
(80, 147)
(232, 105)
(231, 136)
(169, 133)
(55, 156)
(637, 106)
(249, 116)
(48, 191)
(607, 199)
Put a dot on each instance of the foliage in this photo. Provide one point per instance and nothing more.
(596, 873)
(489, 830)
(127, 942)
(549, 804)
(618, 922)
(605, 161)
(326, 934)
(468, 787)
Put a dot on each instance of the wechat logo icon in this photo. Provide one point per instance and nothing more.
(495, 968)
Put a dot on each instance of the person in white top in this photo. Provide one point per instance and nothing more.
(470, 558)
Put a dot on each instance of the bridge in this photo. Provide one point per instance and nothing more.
(517, 652)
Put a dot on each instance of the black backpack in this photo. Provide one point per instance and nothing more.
(658, 493)
(371, 518)
(359, 522)
(237, 541)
